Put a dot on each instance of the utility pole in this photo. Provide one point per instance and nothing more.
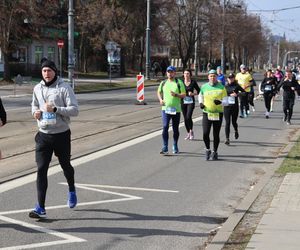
(71, 43)
(196, 43)
(278, 52)
(223, 39)
(148, 42)
(270, 53)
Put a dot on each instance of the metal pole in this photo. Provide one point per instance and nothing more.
(71, 42)
(278, 52)
(270, 54)
(110, 74)
(284, 62)
(60, 62)
(223, 40)
(196, 43)
(148, 42)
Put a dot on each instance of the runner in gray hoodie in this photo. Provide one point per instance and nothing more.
(53, 102)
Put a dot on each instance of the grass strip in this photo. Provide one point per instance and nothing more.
(291, 164)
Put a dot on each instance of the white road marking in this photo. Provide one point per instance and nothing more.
(67, 238)
(82, 160)
(126, 188)
(70, 238)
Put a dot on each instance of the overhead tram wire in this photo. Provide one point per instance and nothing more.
(276, 10)
(271, 20)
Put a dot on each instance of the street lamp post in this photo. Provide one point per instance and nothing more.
(196, 43)
(270, 53)
(71, 43)
(223, 39)
(148, 42)
(278, 52)
(284, 62)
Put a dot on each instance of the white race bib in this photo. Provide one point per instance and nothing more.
(231, 100)
(188, 100)
(48, 118)
(170, 110)
(213, 116)
(268, 87)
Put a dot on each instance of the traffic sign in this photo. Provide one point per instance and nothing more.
(60, 43)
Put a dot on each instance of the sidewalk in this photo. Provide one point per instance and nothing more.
(279, 227)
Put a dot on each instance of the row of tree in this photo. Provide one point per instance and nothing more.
(179, 24)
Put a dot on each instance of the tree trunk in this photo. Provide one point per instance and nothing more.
(6, 73)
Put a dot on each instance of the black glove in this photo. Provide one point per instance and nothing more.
(202, 106)
(217, 102)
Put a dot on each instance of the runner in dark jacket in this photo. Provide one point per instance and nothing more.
(268, 87)
(231, 111)
(188, 102)
(289, 85)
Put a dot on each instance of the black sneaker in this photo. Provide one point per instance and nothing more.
(236, 135)
(214, 156)
(207, 154)
(284, 118)
(227, 142)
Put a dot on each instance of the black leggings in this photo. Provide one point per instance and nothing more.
(187, 111)
(268, 98)
(46, 144)
(288, 106)
(206, 124)
(244, 102)
(251, 98)
(231, 113)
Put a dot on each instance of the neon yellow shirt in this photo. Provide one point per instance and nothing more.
(211, 93)
(244, 80)
(171, 101)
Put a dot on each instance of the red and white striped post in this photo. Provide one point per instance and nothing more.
(140, 89)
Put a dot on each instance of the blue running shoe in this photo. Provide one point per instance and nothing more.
(72, 200)
(175, 149)
(164, 150)
(38, 212)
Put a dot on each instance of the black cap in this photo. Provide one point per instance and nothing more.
(231, 75)
(48, 63)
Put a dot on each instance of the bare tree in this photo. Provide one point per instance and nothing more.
(21, 19)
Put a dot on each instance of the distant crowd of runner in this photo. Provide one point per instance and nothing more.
(230, 96)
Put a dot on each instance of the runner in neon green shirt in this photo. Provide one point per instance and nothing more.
(211, 96)
(169, 93)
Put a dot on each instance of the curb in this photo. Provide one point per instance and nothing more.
(233, 220)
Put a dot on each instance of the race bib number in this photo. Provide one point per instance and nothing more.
(170, 110)
(231, 100)
(48, 118)
(213, 116)
(188, 100)
(268, 88)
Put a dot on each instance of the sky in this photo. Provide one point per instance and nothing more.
(279, 21)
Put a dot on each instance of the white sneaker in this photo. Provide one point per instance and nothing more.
(253, 109)
(267, 114)
(187, 136)
(191, 135)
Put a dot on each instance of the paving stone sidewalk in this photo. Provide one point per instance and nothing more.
(279, 228)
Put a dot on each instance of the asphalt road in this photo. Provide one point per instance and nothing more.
(130, 197)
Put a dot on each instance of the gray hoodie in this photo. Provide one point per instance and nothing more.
(61, 96)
